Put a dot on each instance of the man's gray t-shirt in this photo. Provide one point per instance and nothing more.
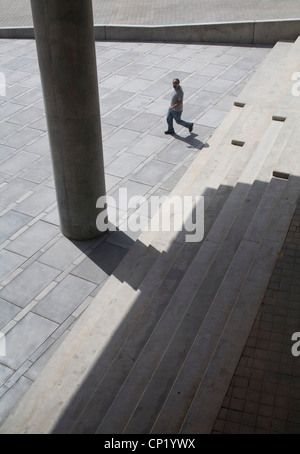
(177, 95)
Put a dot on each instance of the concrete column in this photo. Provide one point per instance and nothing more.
(64, 32)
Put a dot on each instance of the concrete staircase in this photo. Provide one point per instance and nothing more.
(156, 350)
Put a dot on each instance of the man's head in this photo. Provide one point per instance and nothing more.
(176, 83)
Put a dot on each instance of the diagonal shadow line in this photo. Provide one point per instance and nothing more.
(114, 244)
(84, 412)
(106, 255)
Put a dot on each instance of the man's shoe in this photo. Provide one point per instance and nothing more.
(191, 127)
(169, 132)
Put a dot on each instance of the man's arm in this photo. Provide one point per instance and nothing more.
(176, 105)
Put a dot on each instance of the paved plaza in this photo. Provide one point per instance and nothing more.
(46, 280)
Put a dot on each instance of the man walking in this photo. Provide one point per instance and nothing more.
(176, 109)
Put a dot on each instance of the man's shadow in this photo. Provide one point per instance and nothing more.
(192, 141)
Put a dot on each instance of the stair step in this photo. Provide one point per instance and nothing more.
(212, 278)
(247, 177)
(213, 387)
(129, 351)
(133, 346)
(282, 52)
(181, 394)
(251, 236)
(113, 289)
(120, 319)
(270, 144)
(124, 359)
(186, 383)
(223, 168)
(289, 163)
(181, 343)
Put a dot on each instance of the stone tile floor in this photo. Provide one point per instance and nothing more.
(47, 281)
(37, 262)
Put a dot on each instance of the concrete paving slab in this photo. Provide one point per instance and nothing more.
(173, 154)
(52, 217)
(29, 115)
(64, 299)
(37, 202)
(204, 99)
(14, 190)
(8, 312)
(133, 189)
(42, 355)
(20, 138)
(39, 172)
(12, 395)
(5, 151)
(20, 161)
(61, 254)
(148, 144)
(29, 96)
(219, 85)
(11, 222)
(33, 239)
(142, 122)
(121, 139)
(28, 284)
(124, 164)
(153, 172)
(21, 343)
(39, 146)
(100, 263)
(118, 117)
(213, 118)
(8, 109)
(9, 262)
(5, 373)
